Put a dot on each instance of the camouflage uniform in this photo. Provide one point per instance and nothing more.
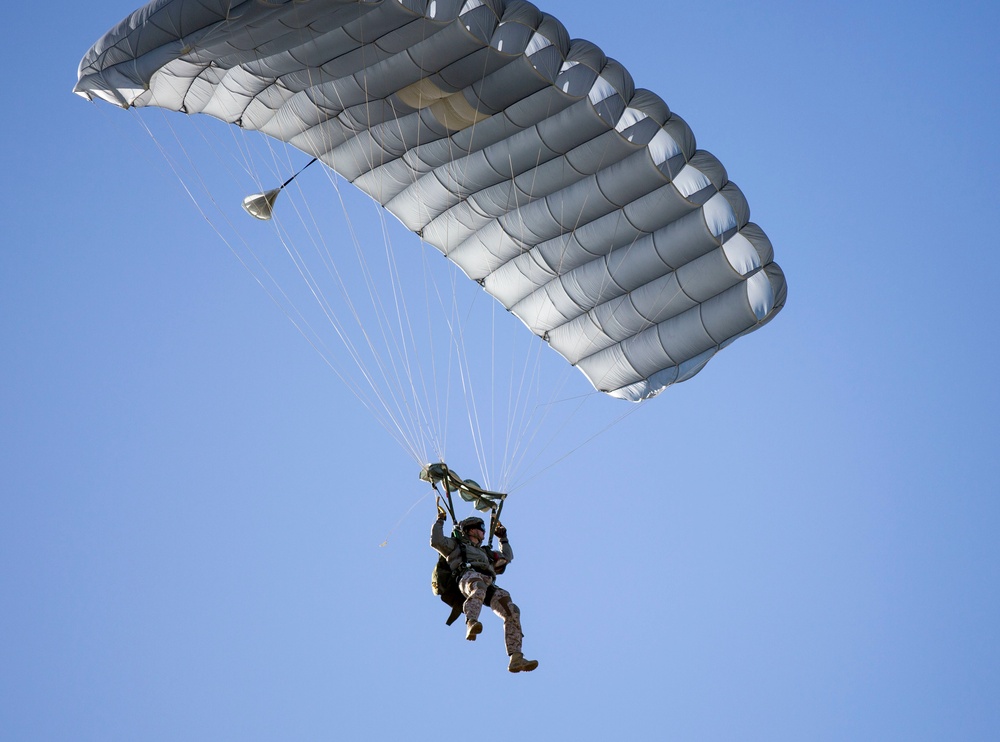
(473, 586)
(475, 580)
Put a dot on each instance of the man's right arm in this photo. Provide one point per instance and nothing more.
(439, 542)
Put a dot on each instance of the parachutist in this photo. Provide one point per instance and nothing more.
(470, 573)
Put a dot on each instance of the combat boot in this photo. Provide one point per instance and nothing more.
(472, 628)
(519, 664)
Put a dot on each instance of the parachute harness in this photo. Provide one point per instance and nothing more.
(483, 500)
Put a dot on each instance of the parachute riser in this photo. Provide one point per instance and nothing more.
(482, 499)
(447, 501)
(496, 519)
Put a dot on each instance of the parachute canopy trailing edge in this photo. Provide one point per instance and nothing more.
(577, 200)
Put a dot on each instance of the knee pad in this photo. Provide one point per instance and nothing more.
(508, 606)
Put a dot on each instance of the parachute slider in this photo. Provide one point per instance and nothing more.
(261, 205)
(481, 499)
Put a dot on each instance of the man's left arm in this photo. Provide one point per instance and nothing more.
(506, 553)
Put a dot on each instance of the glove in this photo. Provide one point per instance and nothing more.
(500, 531)
(442, 514)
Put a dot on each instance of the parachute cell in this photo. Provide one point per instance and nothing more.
(532, 162)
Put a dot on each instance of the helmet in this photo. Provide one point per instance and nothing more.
(472, 522)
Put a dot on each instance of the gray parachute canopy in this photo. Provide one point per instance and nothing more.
(530, 160)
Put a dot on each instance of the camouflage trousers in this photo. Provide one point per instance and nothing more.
(473, 586)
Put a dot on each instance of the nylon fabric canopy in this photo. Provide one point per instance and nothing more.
(531, 161)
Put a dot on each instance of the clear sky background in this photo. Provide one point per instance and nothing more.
(800, 543)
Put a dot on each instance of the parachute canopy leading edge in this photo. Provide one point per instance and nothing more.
(577, 200)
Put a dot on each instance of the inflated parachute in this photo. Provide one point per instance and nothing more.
(531, 161)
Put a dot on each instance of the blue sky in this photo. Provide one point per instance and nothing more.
(799, 543)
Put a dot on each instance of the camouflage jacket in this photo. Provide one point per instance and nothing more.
(479, 557)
